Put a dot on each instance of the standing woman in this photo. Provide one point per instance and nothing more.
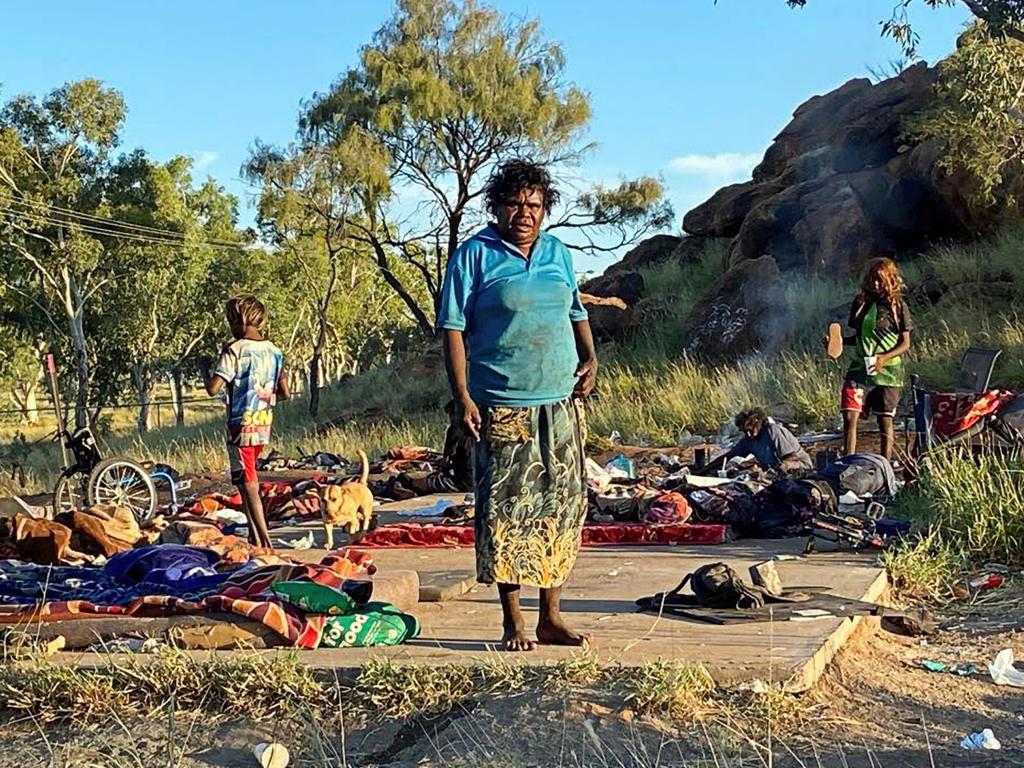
(520, 358)
(881, 325)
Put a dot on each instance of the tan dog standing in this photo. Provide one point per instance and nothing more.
(350, 504)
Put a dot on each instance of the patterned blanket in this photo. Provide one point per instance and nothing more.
(31, 593)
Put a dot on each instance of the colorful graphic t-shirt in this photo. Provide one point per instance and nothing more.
(252, 370)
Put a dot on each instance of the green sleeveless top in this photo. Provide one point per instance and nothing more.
(878, 328)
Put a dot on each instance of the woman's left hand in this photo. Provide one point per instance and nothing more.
(586, 372)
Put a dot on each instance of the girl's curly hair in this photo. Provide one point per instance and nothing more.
(889, 277)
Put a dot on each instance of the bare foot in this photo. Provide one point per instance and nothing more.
(556, 633)
(515, 639)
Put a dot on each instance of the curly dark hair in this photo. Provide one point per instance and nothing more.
(512, 177)
(751, 418)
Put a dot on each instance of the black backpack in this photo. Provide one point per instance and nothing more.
(787, 506)
(733, 506)
(715, 585)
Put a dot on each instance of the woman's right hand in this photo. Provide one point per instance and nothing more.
(471, 418)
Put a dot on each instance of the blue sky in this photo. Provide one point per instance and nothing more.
(685, 89)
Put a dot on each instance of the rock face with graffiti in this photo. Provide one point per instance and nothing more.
(744, 312)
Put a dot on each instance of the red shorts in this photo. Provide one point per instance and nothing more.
(870, 398)
(242, 461)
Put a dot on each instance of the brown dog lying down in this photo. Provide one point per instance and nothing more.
(350, 504)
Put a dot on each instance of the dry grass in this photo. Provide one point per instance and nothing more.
(252, 685)
(400, 691)
(649, 394)
(680, 691)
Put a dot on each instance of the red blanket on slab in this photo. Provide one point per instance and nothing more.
(594, 535)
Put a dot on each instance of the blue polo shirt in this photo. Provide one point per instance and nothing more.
(517, 315)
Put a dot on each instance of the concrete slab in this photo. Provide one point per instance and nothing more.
(441, 586)
(599, 600)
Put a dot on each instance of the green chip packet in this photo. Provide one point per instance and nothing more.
(375, 624)
(315, 598)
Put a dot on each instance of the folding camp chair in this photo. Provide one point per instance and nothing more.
(976, 368)
(972, 394)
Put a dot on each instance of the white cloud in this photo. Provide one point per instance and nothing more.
(203, 160)
(720, 167)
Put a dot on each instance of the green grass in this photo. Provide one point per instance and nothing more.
(967, 509)
(648, 392)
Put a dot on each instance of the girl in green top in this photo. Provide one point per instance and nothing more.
(881, 325)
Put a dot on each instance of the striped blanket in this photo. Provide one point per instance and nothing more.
(246, 593)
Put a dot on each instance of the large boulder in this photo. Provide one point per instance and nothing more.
(723, 214)
(653, 250)
(691, 249)
(744, 312)
(835, 224)
(859, 123)
(610, 318)
(839, 186)
(628, 286)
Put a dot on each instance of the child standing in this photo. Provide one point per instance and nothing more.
(252, 369)
(881, 325)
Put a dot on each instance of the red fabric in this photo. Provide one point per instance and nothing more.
(953, 413)
(594, 535)
(668, 508)
(851, 397)
(276, 497)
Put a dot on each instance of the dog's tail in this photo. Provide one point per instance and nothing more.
(365, 463)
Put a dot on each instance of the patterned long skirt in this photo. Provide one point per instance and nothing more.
(531, 499)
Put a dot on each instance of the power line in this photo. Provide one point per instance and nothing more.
(141, 228)
(106, 232)
(97, 229)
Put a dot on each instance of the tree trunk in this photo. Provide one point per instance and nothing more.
(81, 348)
(316, 361)
(384, 264)
(24, 396)
(143, 379)
(177, 397)
(314, 384)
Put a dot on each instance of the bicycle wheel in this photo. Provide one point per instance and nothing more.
(123, 483)
(68, 494)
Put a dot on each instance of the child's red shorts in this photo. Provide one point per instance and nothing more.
(242, 460)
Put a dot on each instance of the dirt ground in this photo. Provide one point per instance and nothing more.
(875, 707)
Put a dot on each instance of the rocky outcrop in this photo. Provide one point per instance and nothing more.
(627, 286)
(691, 249)
(743, 312)
(610, 317)
(653, 250)
(723, 214)
(838, 187)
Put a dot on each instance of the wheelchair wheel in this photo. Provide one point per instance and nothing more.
(68, 494)
(123, 483)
